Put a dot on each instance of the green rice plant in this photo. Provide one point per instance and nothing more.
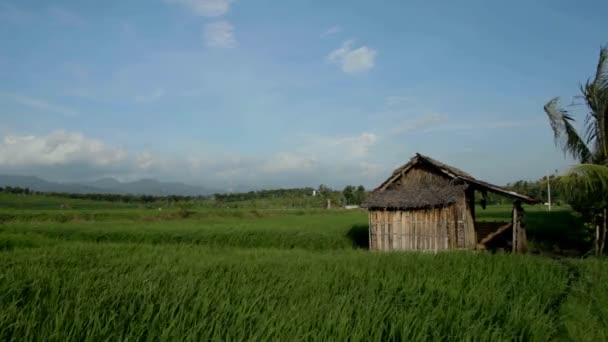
(85, 291)
(315, 231)
(585, 312)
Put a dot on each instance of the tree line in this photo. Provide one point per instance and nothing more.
(123, 198)
(350, 195)
(294, 197)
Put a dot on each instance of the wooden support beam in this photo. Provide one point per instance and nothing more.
(491, 236)
(519, 230)
(369, 231)
(515, 222)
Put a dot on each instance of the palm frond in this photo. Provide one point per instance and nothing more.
(586, 183)
(601, 73)
(595, 93)
(565, 134)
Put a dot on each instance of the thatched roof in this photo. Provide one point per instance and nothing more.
(414, 198)
(456, 175)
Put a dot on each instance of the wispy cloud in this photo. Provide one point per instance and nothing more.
(464, 126)
(435, 122)
(205, 8)
(353, 60)
(64, 17)
(220, 34)
(419, 123)
(348, 147)
(15, 15)
(77, 71)
(397, 100)
(150, 96)
(39, 104)
(331, 31)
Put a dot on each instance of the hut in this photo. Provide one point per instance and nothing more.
(430, 206)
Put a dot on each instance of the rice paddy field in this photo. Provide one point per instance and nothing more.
(96, 271)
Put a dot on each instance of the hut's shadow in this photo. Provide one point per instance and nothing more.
(359, 236)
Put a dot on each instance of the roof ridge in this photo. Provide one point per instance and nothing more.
(454, 173)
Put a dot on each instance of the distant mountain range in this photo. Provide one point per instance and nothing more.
(107, 186)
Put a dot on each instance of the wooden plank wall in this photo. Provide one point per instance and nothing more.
(426, 230)
(466, 237)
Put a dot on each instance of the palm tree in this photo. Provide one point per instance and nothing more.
(587, 183)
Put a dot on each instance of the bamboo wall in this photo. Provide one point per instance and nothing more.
(436, 229)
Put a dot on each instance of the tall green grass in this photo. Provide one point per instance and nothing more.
(339, 230)
(84, 291)
(127, 273)
(585, 311)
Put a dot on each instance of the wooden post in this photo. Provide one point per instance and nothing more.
(522, 239)
(519, 229)
(369, 230)
(604, 233)
(445, 229)
(597, 240)
(453, 225)
(515, 221)
(472, 204)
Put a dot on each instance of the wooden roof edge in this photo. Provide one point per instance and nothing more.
(454, 173)
(397, 172)
(503, 192)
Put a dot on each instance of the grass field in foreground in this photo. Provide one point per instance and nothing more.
(92, 291)
(132, 273)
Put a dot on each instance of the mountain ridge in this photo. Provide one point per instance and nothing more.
(107, 185)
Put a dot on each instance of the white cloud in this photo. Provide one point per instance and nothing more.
(371, 170)
(57, 148)
(397, 100)
(351, 147)
(331, 31)
(68, 156)
(146, 160)
(353, 60)
(342, 148)
(39, 104)
(319, 159)
(419, 123)
(220, 34)
(285, 161)
(205, 8)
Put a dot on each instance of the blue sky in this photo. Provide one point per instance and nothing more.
(260, 93)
